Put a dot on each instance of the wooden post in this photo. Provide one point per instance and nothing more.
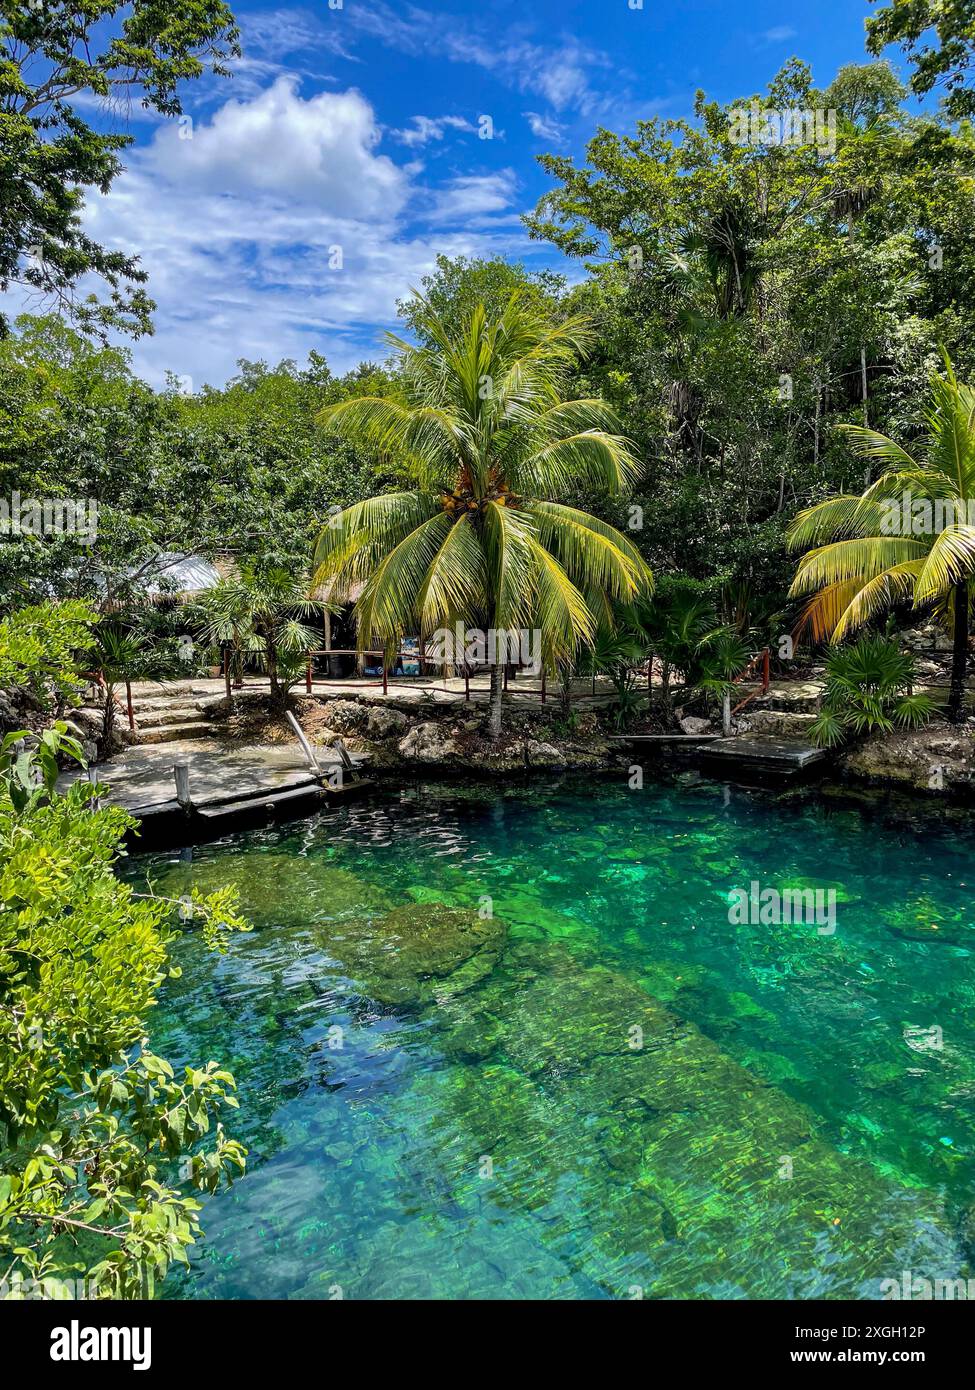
(467, 683)
(543, 685)
(385, 674)
(226, 671)
(308, 676)
(181, 772)
(128, 705)
(505, 677)
(95, 804)
(765, 672)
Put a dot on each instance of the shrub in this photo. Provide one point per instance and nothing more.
(869, 689)
(99, 1140)
(40, 648)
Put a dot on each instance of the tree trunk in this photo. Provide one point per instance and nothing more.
(108, 725)
(497, 689)
(863, 384)
(959, 655)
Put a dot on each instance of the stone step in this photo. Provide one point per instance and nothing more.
(170, 733)
(156, 690)
(175, 714)
(798, 697)
(151, 702)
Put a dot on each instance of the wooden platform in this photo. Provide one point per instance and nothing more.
(763, 754)
(687, 739)
(754, 757)
(168, 824)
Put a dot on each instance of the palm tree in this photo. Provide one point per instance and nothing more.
(869, 689)
(258, 613)
(117, 655)
(490, 446)
(872, 560)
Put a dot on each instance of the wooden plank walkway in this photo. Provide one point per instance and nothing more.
(664, 738)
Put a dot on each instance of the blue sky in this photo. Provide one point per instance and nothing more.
(305, 195)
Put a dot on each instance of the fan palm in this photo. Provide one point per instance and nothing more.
(906, 538)
(117, 655)
(258, 613)
(490, 447)
(869, 689)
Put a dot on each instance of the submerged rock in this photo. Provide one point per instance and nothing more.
(279, 889)
(719, 1182)
(418, 953)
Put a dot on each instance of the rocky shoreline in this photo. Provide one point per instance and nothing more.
(937, 761)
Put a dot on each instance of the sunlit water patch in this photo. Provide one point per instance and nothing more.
(505, 1044)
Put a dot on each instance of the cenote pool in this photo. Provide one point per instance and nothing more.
(604, 1091)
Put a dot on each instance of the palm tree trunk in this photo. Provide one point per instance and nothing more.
(497, 688)
(959, 654)
(108, 724)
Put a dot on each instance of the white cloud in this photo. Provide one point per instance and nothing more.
(423, 129)
(542, 127)
(320, 150)
(560, 71)
(237, 228)
(780, 34)
(473, 196)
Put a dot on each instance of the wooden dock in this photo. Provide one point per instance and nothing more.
(189, 792)
(763, 756)
(169, 823)
(745, 757)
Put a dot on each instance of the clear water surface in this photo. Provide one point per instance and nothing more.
(604, 1089)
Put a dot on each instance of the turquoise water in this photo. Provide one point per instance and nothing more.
(582, 1080)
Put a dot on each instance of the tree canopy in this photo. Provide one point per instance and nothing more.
(52, 57)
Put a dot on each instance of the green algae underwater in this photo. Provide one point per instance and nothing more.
(504, 1043)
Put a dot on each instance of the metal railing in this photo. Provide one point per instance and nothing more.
(763, 658)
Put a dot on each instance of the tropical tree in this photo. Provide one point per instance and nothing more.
(675, 624)
(259, 613)
(906, 538)
(59, 61)
(486, 535)
(118, 657)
